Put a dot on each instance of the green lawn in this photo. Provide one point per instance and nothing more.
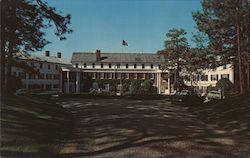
(32, 125)
(231, 114)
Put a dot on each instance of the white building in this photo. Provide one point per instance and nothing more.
(114, 66)
(129, 66)
(209, 77)
(47, 68)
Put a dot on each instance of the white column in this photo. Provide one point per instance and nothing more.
(61, 79)
(67, 87)
(169, 85)
(157, 83)
(26, 80)
(77, 82)
(159, 74)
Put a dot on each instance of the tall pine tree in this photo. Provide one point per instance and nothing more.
(176, 46)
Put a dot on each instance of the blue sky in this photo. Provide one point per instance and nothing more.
(103, 24)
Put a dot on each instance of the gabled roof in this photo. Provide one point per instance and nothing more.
(41, 58)
(89, 57)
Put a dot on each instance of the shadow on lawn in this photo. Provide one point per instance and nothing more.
(104, 126)
(231, 114)
(29, 125)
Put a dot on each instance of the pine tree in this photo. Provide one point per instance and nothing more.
(176, 46)
(22, 30)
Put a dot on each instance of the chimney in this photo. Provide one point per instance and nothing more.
(98, 55)
(47, 53)
(59, 55)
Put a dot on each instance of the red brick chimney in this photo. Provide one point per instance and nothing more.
(59, 55)
(47, 53)
(98, 55)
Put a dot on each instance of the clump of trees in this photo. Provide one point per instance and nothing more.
(142, 87)
(178, 56)
(22, 30)
(222, 38)
(226, 24)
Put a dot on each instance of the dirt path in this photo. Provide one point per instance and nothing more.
(145, 129)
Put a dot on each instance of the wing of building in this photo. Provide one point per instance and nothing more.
(46, 70)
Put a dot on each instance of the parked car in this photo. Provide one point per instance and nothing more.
(21, 92)
(186, 97)
(214, 95)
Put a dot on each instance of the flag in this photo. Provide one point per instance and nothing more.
(124, 43)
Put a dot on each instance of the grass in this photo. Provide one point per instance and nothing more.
(231, 114)
(33, 125)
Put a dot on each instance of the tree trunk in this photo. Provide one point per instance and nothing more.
(11, 49)
(240, 63)
(3, 53)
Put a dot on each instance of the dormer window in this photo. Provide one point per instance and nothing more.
(93, 65)
(143, 66)
(101, 65)
(110, 65)
(126, 66)
(84, 65)
(135, 66)
(152, 66)
(75, 65)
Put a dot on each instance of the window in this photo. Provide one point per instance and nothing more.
(126, 66)
(93, 65)
(48, 76)
(101, 65)
(127, 75)
(214, 77)
(159, 66)
(225, 76)
(22, 75)
(31, 76)
(41, 65)
(41, 76)
(134, 75)
(143, 76)
(119, 75)
(84, 65)
(187, 78)
(135, 66)
(118, 66)
(48, 66)
(76, 65)
(48, 87)
(204, 77)
(143, 66)
(151, 76)
(110, 65)
(56, 66)
(32, 64)
(102, 75)
(152, 66)
(55, 86)
(224, 66)
(109, 75)
(56, 77)
(196, 77)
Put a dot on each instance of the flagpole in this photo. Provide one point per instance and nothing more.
(121, 72)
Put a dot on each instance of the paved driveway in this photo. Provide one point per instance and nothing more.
(120, 128)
